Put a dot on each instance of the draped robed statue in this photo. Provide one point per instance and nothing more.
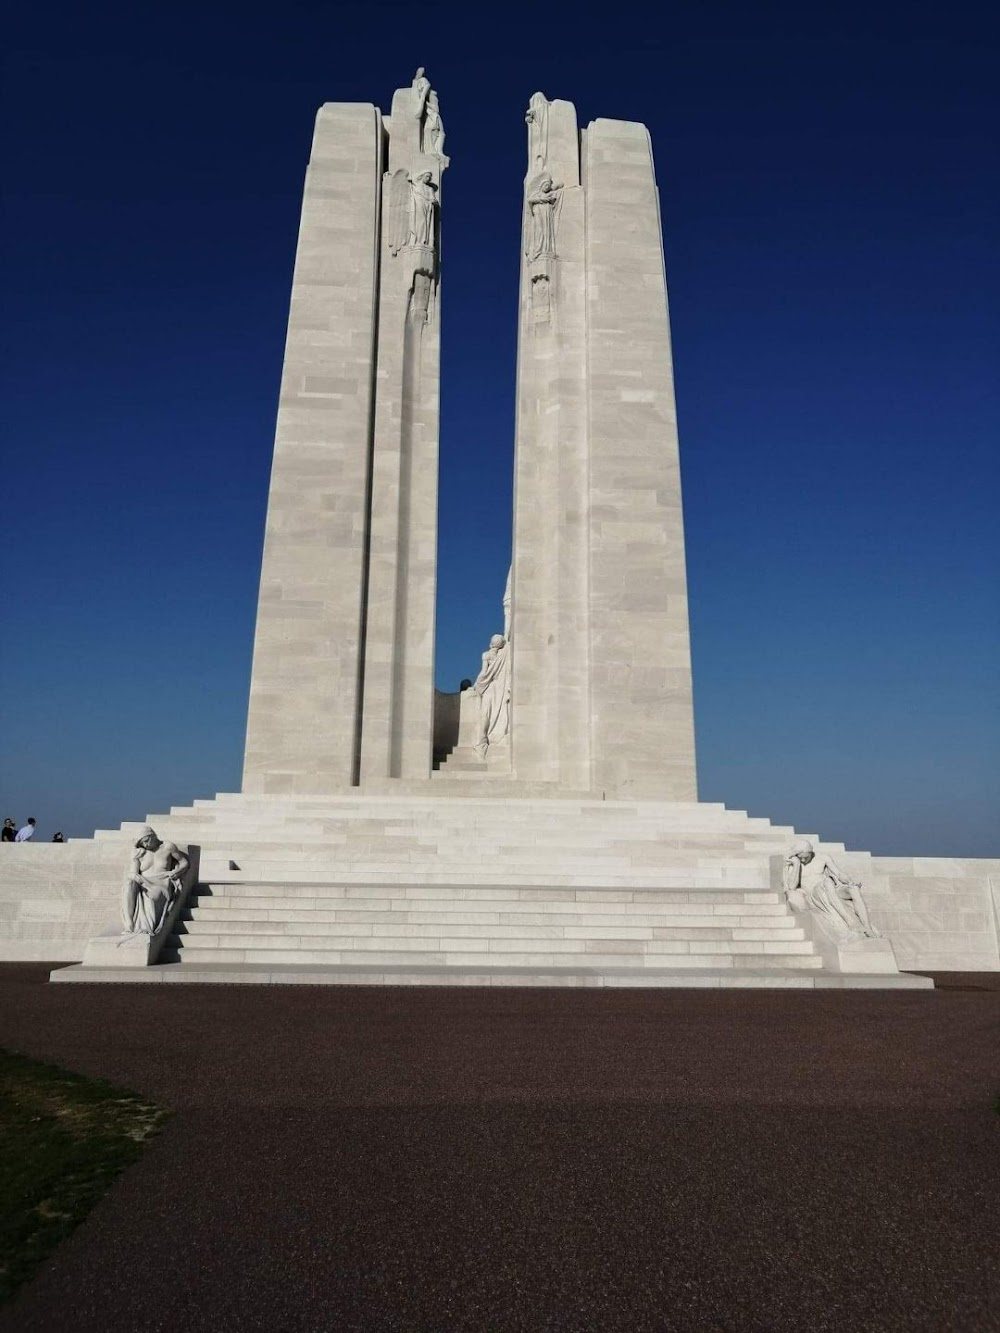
(813, 882)
(154, 878)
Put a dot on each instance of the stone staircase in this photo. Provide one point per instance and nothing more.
(453, 885)
(439, 926)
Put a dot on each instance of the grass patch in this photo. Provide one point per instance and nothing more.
(63, 1140)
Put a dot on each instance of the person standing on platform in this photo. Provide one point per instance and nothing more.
(28, 832)
(9, 831)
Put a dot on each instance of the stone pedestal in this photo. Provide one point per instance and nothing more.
(112, 949)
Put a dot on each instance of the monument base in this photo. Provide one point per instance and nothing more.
(233, 974)
(466, 883)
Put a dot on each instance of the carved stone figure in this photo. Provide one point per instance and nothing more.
(421, 87)
(419, 307)
(541, 299)
(493, 687)
(423, 202)
(410, 211)
(153, 880)
(397, 210)
(433, 131)
(507, 603)
(814, 883)
(537, 119)
(426, 111)
(543, 202)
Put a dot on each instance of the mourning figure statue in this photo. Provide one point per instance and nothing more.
(434, 127)
(814, 883)
(153, 880)
(423, 194)
(543, 200)
(421, 87)
(493, 688)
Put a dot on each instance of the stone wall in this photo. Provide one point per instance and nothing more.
(55, 896)
(941, 913)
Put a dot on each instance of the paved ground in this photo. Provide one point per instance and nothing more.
(478, 1160)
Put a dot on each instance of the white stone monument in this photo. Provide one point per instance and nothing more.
(560, 841)
(600, 669)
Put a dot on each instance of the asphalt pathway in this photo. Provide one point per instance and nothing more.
(409, 1159)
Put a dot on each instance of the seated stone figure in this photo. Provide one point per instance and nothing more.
(814, 883)
(153, 880)
(493, 687)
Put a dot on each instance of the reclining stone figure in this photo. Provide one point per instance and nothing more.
(814, 883)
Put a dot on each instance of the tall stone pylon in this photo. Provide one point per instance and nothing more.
(342, 679)
(601, 662)
(398, 698)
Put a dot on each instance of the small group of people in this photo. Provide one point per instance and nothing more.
(11, 833)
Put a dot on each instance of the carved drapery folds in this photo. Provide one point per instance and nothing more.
(154, 879)
(544, 198)
(492, 685)
(426, 110)
(542, 205)
(537, 120)
(411, 205)
(543, 201)
(814, 883)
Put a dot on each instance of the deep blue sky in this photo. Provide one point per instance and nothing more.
(828, 180)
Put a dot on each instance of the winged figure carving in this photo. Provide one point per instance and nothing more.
(397, 206)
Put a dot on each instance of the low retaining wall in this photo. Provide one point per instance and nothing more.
(55, 896)
(942, 914)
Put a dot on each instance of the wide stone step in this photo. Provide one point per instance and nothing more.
(472, 912)
(403, 799)
(465, 816)
(512, 943)
(493, 807)
(408, 974)
(199, 927)
(221, 918)
(465, 843)
(490, 807)
(424, 894)
(320, 892)
(433, 873)
(472, 958)
(647, 858)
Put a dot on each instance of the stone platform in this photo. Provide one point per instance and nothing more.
(475, 890)
(742, 978)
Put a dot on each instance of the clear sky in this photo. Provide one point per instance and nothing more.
(829, 192)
